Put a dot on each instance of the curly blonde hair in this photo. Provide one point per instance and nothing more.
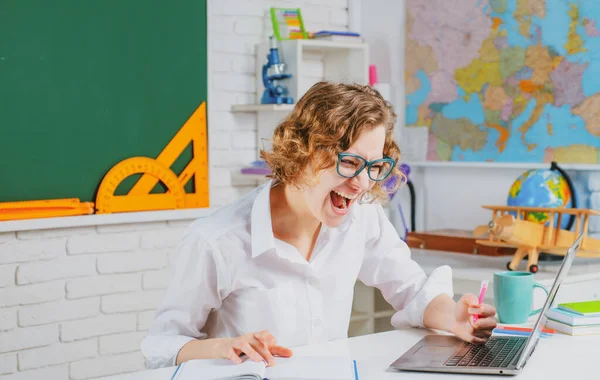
(327, 120)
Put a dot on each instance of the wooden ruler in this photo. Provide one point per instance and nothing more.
(139, 198)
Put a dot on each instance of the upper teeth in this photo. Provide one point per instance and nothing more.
(345, 195)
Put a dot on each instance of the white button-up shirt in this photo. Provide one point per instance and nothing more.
(232, 277)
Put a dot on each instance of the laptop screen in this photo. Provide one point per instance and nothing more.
(541, 321)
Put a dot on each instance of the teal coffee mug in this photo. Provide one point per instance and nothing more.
(513, 296)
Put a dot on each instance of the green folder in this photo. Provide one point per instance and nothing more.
(582, 308)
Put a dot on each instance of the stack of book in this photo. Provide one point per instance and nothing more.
(576, 318)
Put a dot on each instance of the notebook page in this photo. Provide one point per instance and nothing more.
(220, 369)
(312, 368)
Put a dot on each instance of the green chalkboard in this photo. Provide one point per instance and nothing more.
(85, 84)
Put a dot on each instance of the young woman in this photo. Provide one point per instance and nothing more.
(277, 268)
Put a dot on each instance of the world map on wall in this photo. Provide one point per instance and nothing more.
(505, 80)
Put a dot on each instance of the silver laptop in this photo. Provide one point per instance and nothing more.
(500, 355)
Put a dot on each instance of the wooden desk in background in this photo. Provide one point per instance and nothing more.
(456, 241)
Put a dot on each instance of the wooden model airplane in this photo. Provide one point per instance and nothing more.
(531, 238)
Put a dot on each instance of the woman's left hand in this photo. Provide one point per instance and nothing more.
(465, 326)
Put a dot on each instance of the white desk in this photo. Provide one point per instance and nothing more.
(559, 357)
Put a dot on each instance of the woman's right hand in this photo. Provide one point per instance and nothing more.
(257, 346)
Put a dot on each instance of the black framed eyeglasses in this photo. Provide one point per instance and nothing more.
(349, 165)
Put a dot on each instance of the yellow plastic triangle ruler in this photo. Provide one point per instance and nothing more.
(139, 198)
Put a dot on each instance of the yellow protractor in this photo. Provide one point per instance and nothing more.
(107, 202)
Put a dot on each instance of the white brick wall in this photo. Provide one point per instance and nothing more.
(58, 354)
(100, 243)
(56, 269)
(20, 251)
(58, 311)
(100, 285)
(7, 275)
(158, 279)
(97, 326)
(31, 294)
(144, 320)
(8, 363)
(8, 319)
(22, 338)
(140, 301)
(120, 343)
(107, 365)
(75, 303)
(55, 372)
(7, 236)
(132, 262)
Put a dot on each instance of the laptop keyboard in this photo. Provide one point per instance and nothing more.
(499, 352)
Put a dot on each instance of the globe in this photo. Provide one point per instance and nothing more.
(541, 188)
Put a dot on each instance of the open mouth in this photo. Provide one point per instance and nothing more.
(341, 203)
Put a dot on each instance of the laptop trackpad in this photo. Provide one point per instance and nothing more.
(439, 352)
(431, 351)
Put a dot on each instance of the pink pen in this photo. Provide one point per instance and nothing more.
(482, 290)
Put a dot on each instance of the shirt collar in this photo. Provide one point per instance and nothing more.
(261, 227)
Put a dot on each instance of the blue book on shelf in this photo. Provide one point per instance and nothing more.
(335, 33)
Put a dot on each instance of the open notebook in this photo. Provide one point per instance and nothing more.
(301, 367)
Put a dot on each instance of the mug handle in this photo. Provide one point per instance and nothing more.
(536, 285)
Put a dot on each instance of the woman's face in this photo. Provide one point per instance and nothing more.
(331, 198)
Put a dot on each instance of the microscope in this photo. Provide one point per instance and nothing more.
(273, 71)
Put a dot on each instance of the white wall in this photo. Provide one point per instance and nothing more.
(452, 197)
(382, 24)
(75, 303)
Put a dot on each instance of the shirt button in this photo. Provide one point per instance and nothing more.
(317, 323)
(313, 281)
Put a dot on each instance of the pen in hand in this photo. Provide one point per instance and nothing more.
(482, 291)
